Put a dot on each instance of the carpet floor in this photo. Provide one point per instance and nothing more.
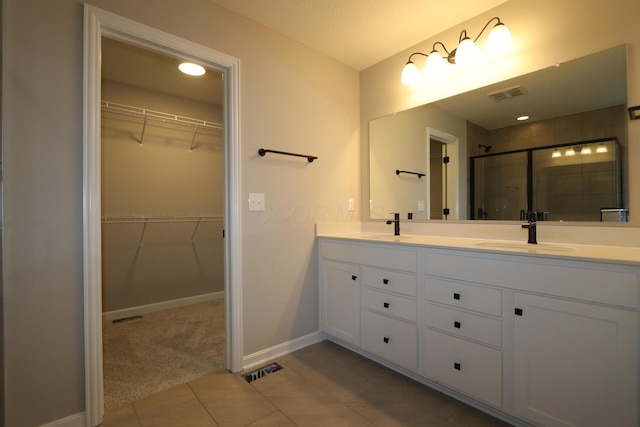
(161, 350)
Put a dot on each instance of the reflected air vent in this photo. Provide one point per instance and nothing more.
(504, 94)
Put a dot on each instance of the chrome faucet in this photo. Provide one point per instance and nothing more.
(396, 224)
(531, 226)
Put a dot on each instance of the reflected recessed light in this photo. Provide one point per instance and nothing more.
(522, 118)
(191, 69)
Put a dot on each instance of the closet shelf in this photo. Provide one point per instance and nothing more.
(158, 116)
(140, 219)
(145, 220)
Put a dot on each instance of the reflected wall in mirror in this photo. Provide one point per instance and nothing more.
(567, 104)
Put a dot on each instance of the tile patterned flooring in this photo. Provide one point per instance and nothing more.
(321, 385)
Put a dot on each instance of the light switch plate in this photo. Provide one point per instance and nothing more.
(256, 201)
(420, 205)
(352, 204)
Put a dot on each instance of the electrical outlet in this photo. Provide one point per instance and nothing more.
(256, 201)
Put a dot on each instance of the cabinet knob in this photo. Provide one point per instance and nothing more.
(456, 366)
(518, 312)
(385, 281)
(386, 305)
(456, 325)
(385, 339)
(456, 295)
(354, 277)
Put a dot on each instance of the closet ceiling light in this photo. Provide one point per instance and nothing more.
(522, 118)
(191, 69)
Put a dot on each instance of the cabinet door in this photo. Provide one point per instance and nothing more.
(575, 363)
(340, 300)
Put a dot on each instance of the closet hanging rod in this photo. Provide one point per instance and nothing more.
(159, 219)
(144, 113)
(420, 175)
(264, 151)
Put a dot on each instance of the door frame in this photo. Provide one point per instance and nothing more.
(97, 23)
(452, 178)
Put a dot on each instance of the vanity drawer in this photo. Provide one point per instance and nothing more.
(470, 368)
(390, 304)
(389, 280)
(390, 339)
(461, 323)
(462, 295)
(385, 256)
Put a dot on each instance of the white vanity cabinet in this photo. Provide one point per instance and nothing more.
(539, 340)
(340, 300)
(368, 299)
(569, 330)
(462, 337)
(575, 362)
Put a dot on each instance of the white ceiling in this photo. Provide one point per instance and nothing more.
(359, 33)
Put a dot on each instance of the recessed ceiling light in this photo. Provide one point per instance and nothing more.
(191, 69)
(522, 118)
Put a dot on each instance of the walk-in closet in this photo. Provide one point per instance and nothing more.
(162, 186)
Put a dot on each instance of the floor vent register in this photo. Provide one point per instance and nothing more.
(262, 372)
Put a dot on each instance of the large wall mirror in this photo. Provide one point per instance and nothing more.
(469, 157)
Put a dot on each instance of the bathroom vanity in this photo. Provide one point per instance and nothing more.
(542, 334)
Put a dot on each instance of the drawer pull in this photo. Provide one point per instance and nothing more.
(456, 295)
(456, 366)
(386, 340)
(456, 325)
(518, 312)
(386, 305)
(385, 281)
(354, 277)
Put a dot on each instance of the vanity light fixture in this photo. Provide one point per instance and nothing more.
(569, 152)
(191, 69)
(601, 148)
(556, 153)
(498, 41)
(586, 150)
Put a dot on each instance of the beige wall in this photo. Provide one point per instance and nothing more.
(544, 32)
(292, 99)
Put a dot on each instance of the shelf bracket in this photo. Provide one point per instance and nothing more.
(144, 126)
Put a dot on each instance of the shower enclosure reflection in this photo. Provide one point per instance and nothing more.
(566, 182)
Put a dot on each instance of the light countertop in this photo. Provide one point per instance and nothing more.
(597, 253)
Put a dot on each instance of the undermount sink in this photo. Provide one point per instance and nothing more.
(542, 247)
(382, 236)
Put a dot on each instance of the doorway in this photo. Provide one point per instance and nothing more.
(162, 223)
(442, 180)
(98, 24)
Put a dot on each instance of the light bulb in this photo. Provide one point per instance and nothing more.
(191, 69)
(410, 74)
(435, 63)
(467, 52)
(499, 39)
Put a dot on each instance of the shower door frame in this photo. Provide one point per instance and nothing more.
(97, 23)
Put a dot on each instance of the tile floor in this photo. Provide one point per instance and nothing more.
(321, 385)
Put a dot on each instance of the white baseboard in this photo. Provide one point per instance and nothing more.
(267, 355)
(141, 309)
(77, 420)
